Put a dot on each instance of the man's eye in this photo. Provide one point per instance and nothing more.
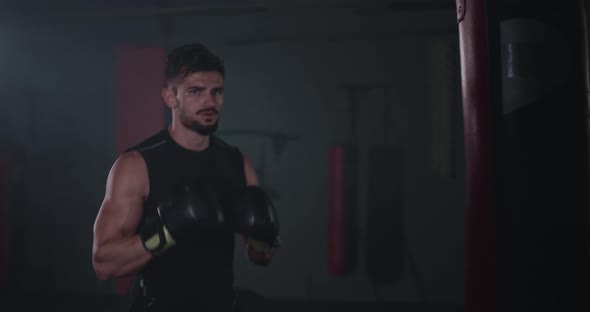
(218, 92)
(194, 91)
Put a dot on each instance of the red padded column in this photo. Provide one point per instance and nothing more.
(140, 111)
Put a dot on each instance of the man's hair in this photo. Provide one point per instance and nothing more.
(188, 59)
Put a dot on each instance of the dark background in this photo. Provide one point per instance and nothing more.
(293, 70)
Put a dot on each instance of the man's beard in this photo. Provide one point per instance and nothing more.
(197, 126)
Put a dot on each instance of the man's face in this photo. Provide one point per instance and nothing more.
(199, 98)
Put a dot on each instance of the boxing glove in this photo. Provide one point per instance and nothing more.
(189, 212)
(255, 217)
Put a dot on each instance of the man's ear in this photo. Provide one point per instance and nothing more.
(169, 97)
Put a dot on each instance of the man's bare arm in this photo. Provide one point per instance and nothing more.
(251, 179)
(117, 251)
(250, 172)
(263, 257)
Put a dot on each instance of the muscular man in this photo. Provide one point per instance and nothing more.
(173, 202)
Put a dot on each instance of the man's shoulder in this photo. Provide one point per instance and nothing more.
(129, 163)
(151, 142)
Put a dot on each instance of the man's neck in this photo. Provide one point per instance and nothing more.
(187, 138)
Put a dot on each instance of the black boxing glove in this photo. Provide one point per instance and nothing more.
(255, 217)
(190, 211)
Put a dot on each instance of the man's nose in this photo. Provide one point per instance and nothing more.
(211, 101)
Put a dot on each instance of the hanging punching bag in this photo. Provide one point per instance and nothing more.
(475, 80)
(524, 66)
(542, 160)
(342, 241)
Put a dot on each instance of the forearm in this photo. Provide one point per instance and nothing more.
(120, 257)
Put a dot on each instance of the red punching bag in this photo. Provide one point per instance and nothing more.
(342, 241)
(343, 158)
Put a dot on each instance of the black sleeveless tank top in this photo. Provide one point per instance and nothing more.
(201, 273)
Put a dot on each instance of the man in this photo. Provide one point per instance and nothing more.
(172, 202)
